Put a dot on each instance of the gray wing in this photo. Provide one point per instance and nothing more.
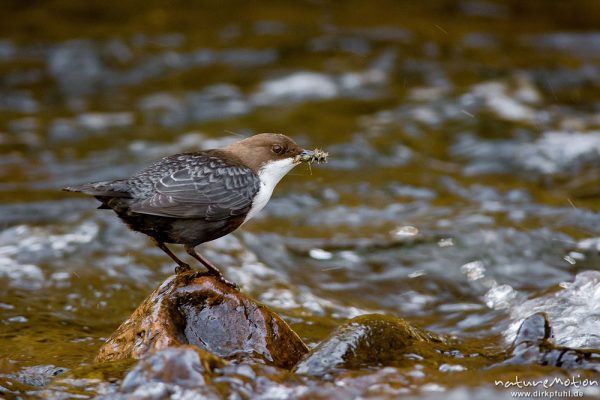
(208, 189)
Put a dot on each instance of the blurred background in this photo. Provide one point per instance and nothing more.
(461, 193)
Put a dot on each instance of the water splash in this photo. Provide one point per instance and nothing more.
(573, 311)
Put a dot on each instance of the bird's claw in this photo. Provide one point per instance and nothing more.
(180, 269)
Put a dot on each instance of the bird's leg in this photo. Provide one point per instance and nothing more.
(212, 270)
(181, 266)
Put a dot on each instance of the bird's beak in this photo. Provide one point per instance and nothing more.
(310, 156)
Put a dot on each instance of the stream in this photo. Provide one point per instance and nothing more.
(460, 195)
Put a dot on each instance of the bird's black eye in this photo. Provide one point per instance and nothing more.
(278, 149)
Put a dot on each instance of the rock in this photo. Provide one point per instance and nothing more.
(534, 330)
(204, 312)
(254, 381)
(173, 370)
(533, 345)
(367, 341)
(187, 372)
(38, 375)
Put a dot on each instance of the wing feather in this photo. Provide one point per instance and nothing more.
(208, 188)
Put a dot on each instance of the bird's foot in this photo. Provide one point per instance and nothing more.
(181, 268)
(219, 276)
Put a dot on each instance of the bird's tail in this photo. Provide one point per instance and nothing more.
(105, 188)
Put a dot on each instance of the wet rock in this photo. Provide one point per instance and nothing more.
(367, 341)
(206, 313)
(186, 373)
(38, 375)
(533, 345)
(254, 381)
(172, 370)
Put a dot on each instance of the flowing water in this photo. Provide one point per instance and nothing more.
(461, 192)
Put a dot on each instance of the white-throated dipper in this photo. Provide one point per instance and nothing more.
(192, 198)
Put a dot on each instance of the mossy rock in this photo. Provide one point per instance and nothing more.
(372, 340)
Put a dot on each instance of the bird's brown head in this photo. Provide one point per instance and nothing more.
(259, 150)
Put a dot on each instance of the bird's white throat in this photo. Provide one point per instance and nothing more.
(270, 174)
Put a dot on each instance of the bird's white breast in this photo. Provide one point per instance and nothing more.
(270, 175)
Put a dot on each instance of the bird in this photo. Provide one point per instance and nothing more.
(195, 197)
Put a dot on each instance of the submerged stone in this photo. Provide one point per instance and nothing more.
(533, 345)
(368, 341)
(190, 373)
(38, 375)
(204, 312)
(171, 370)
